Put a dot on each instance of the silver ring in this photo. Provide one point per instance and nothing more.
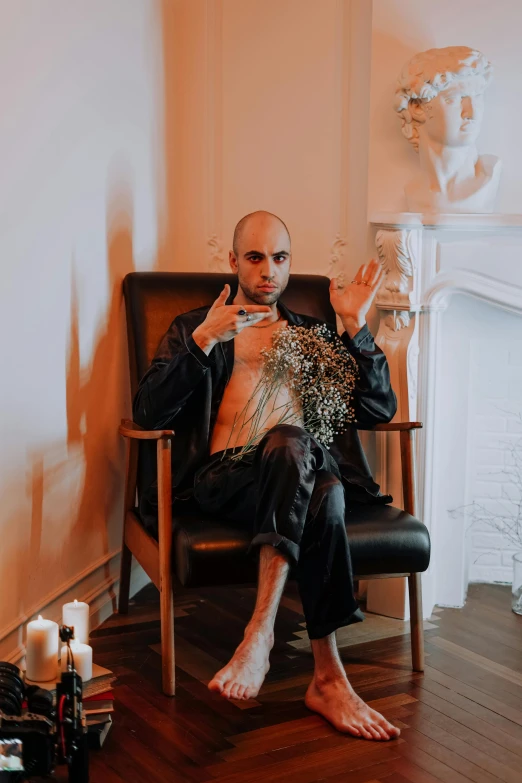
(241, 312)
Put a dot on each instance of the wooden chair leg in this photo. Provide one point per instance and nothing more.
(125, 575)
(416, 622)
(165, 566)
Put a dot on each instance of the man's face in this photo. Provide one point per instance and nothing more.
(454, 116)
(263, 260)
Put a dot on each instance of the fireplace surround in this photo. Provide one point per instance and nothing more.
(433, 263)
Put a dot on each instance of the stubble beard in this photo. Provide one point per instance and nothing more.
(262, 297)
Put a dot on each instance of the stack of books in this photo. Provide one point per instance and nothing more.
(98, 705)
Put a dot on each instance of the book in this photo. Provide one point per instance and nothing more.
(100, 696)
(98, 718)
(101, 681)
(94, 707)
(97, 734)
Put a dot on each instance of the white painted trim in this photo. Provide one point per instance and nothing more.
(37, 609)
(489, 289)
(467, 222)
(98, 597)
(16, 655)
(218, 257)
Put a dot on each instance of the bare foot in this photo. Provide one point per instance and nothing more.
(243, 675)
(336, 701)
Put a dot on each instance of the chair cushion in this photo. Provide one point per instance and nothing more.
(383, 540)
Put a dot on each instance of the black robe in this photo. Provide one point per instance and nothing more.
(183, 388)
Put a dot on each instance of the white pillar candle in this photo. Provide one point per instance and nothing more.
(76, 613)
(41, 654)
(82, 659)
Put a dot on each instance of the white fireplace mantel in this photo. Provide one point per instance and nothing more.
(428, 259)
(463, 222)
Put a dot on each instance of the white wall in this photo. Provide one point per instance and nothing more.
(134, 134)
(401, 28)
(80, 144)
(270, 105)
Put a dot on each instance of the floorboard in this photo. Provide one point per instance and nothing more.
(460, 720)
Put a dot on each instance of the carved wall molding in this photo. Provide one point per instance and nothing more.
(396, 253)
(216, 261)
(335, 265)
(337, 261)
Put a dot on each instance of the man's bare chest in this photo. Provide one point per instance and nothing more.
(248, 347)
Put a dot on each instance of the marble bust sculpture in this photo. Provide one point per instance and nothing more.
(440, 100)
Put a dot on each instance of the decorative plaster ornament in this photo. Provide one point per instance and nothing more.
(440, 100)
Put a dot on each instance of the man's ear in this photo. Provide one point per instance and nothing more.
(232, 260)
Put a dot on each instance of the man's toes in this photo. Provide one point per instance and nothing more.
(241, 692)
(215, 685)
(352, 729)
(390, 729)
(376, 734)
(234, 690)
(364, 732)
(226, 686)
(382, 731)
(383, 725)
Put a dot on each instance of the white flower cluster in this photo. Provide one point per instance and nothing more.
(320, 373)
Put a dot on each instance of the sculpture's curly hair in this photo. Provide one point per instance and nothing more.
(430, 72)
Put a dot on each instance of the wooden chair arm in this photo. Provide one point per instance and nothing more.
(397, 426)
(129, 429)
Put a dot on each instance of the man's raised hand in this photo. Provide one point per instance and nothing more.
(223, 322)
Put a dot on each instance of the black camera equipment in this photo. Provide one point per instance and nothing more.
(34, 740)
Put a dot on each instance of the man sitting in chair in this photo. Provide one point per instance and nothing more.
(290, 491)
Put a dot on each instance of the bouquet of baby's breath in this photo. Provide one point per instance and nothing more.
(319, 373)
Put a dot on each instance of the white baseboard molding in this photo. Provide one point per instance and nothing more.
(97, 585)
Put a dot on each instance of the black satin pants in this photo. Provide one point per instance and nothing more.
(289, 494)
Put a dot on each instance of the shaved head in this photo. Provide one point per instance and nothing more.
(261, 258)
(240, 228)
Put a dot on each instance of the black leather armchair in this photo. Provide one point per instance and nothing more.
(198, 550)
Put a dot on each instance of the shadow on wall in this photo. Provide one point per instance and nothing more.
(76, 488)
(97, 397)
(89, 468)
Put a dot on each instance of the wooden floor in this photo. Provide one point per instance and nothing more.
(461, 720)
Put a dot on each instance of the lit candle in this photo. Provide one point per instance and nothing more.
(82, 659)
(76, 614)
(41, 650)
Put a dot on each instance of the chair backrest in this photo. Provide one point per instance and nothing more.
(154, 299)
